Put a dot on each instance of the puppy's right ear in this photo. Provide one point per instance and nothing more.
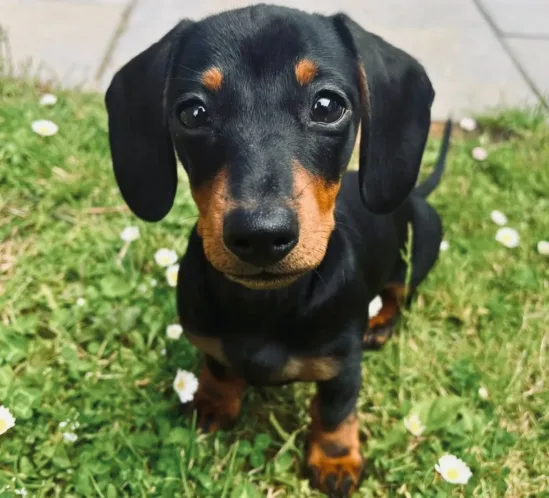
(141, 147)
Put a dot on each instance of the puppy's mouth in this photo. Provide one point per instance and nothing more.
(265, 279)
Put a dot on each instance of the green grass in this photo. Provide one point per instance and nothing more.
(481, 320)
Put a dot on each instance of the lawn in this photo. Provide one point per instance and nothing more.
(83, 345)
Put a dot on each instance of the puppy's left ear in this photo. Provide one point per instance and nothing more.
(141, 147)
(396, 103)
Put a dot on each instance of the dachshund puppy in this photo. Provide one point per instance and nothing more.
(262, 106)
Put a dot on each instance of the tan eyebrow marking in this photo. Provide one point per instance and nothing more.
(305, 71)
(212, 79)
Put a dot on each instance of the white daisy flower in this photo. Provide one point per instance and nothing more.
(163, 352)
(483, 392)
(154, 282)
(479, 153)
(70, 437)
(174, 331)
(444, 245)
(413, 424)
(44, 127)
(7, 420)
(453, 470)
(468, 124)
(165, 257)
(80, 302)
(509, 237)
(21, 492)
(171, 275)
(48, 99)
(185, 385)
(498, 218)
(130, 234)
(375, 306)
(543, 247)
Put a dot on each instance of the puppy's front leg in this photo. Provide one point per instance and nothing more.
(333, 456)
(219, 396)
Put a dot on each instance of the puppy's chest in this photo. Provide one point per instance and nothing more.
(264, 361)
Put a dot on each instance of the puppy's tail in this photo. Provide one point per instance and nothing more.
(425, 188)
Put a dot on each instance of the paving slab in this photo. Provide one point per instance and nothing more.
(527, 18)
(468, 65)
(534, 57)
(59, 40)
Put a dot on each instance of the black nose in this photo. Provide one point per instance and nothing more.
(261, 237)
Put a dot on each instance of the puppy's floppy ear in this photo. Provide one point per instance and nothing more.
(141, 147)
(395, 116)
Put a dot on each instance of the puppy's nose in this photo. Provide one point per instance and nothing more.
(261, 237)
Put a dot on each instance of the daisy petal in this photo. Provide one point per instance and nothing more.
(7, 420)
(468, 124)
(508, 237)
(479, 153)
(453, 469)
(185, 385)
(498, 218)
(130, 234)
(44, 127)
(70, 437)
(414, 425)
(543, 247)
(48, 99)
(172, 275)
(375, 306)
(165, 257)
(174, 331)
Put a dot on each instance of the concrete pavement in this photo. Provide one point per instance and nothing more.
(479, 53)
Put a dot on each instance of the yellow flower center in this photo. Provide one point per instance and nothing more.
(3, 426)
(452, 474)
(414, 426)
(180, 385)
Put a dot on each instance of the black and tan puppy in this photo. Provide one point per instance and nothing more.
(262, 106)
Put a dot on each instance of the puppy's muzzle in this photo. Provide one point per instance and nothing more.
(262, 236)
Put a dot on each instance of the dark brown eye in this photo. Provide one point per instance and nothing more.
(194, 115)
(328, 108)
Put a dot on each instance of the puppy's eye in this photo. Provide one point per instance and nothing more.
(193, 114)
(327, 108)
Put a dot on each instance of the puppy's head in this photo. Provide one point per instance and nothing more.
(262, 107)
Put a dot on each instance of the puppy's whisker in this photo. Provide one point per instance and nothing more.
(319, 276)
(340, 224)
(298, 196)
(186, 68)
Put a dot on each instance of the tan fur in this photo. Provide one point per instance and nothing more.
(334, 452)
(309, 369)
(314, 201)
(213, 202)
(305, 71)
(219, 399)
(210, 346)
(212, 79)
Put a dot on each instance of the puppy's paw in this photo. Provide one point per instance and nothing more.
(380, 326)
(336, 471)
(213, 415)
(217, 401)
(376, 337)
(334, 463)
